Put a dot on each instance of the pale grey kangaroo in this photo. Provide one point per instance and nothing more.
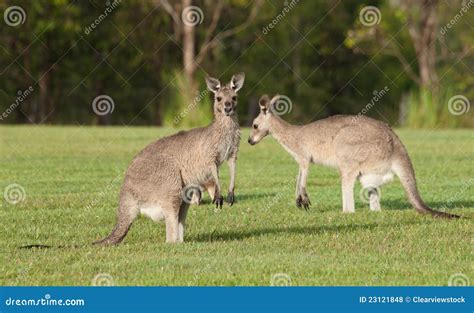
(160, 180)
(358, 146)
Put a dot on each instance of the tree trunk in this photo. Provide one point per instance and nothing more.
(253, 110)
(43, 97)
(189, 42)
(424, 38)
(23, 109)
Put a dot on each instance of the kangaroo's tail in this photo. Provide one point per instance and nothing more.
(125, 219)
(404, 170)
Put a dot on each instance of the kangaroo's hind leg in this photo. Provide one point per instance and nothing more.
(183, 211)
(172, 227)
(348, 179)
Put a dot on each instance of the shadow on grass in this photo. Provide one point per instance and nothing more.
(241, 197)
(403, 204)
(234, 235)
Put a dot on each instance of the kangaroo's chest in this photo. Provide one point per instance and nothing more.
(228, 145)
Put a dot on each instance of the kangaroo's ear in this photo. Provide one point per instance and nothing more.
(264, 102)
(213, 84)
(237, 81)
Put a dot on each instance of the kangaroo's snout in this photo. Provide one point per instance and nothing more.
(250, 141)
(228, 107)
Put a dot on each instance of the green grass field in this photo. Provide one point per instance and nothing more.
(71, 177)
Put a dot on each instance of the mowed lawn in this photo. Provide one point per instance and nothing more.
(72, 175)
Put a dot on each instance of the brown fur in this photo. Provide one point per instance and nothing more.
(158, 175)
(359, 147)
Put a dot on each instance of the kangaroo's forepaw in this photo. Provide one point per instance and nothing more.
(218, 200)
(230, 198)
(303, 201)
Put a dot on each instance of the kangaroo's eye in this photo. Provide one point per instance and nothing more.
(255, 126)
(219, 99)
(234, 98)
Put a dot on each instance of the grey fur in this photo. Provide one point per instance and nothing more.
(157, 177)
(358, 146)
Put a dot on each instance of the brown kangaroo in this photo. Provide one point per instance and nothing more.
(161, 179)
(358, 146)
